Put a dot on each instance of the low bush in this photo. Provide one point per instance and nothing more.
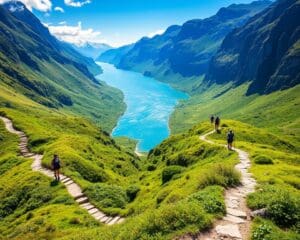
(161, 196)
(151, 167)
(107, 196)
(166, 221)
(169, 172)
(211, 198)
(283, 205)
(131, 192)
(222, 175)
(284, 209)
(261, 159)
(89, 171)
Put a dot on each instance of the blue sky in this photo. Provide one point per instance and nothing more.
(119, 22)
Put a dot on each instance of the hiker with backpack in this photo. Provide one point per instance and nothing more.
(56, 166)
(217, 123)
(212, 119)
(230, 139)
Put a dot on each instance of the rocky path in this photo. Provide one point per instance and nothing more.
(73, 188)
(236, 224)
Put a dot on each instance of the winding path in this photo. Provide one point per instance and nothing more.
(73, 188)
(237, 222)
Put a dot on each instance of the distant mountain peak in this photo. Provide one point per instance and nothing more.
(14, 6)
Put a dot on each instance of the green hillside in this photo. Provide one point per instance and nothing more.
(178, 189)
(34, 64)
(278, 112)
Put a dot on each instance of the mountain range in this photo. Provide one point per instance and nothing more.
(242, 64)
(183, 51)
(265, 51)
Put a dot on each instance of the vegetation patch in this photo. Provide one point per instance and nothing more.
(169, 172)
(261, 159)
(223, 175)
(107, 196)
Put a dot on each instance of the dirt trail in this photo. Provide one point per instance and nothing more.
(237, 222)
(73, 188)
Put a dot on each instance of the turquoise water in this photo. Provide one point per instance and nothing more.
(149, 105)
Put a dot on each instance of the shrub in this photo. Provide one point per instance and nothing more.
(88, 171)
(222, 175)
(74, 221)
(211, 198)
(131, 192)
(283, 206)
(106, 196)
(284, 209)
(261, 159)
(261, 232)
(151, 167)
(169, 219)
(169, 172)
(161, 196)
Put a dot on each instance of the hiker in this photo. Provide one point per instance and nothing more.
(56, 166)
(230, 139)
(212, 119)
(217, 123)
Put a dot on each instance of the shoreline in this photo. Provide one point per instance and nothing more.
(181, 94)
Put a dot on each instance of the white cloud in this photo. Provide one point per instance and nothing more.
(76, 34)
(158, 32)
(42, 5)
(59, 9)
(74, 3)
(62, 23)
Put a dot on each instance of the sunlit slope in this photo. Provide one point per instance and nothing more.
(278, 111)
(33, 63)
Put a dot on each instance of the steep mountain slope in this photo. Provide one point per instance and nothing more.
(92, 50)
(265, 51)
(34, 63)
(186, 50)
(254, 62)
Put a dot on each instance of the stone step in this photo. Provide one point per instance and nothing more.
(98, 215)
(28, 155)
(68, 182)
(230, 230)
(82, 200)
(87, 207)
(236, 213)
(114, 220)
(103, 219)
(121, 220)
(233, 219)
(108, 220)
(66, 179)
(93, 210)
(74, 190)
(80, 196)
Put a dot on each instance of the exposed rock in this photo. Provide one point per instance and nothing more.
(230, 230)
(259, 213)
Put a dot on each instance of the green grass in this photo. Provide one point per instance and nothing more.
(276, 167)
(30, 205)
(277, 112)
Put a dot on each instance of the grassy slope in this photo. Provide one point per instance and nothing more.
(30, 207)
(102, 169)
(279, 182)
(185, 202)
(278, 112)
